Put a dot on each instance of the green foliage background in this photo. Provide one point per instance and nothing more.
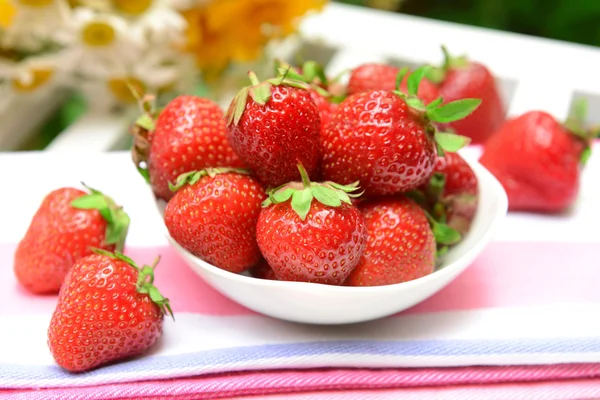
(576, 21)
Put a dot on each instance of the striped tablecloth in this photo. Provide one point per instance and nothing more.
(523, 319)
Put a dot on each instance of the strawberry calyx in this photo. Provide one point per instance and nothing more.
(438, 74)
(145, 280)
(436, 111)
(575, 125)
(260, 93)
(302, 194)
(116, 218)
(189, 178)
(141, 130)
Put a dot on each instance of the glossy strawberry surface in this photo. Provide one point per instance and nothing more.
(100, 317)
(400, 244)
(190, 135)
(537, 161)
(474, 81)
(57, 236)
(373, 76)
(272, 138)
(215, 219)
(324, 248)
(375, 138)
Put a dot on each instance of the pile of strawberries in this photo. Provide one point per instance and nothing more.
(301, 179)
(296, 183)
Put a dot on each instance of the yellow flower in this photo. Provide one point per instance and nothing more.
(7, 13)
(227, 31)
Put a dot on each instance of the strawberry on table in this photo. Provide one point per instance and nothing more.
(374, 76)
(188, 135)
(538, 160)
(213, 215)
(388, 140)
(400, 244)
(66, 226)
(311, 232)
(108, 310)
(460, 78)
(271, 125)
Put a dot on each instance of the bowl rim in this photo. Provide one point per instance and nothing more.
(496, 190)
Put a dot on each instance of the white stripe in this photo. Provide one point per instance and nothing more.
(25, 342)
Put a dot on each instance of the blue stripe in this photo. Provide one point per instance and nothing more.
(224, 357)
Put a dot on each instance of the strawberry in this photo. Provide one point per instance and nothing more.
(538, 161)
(188, 135)
(373, 76)
(387, 140)
(65, 228)
(400, 244)
(263, 270)
(452, 192)
(311, 241)
(460, 78)
(108, 310)
(272, 123)
(213, 216)
(325, 107)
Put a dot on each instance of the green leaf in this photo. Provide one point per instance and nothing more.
(436, 185)
(436, 75)
(282, 196)
(453, 111)
(451, 142)
(415, 103)
(444, 234)
(579, 111)
(585, 155)
(301, 200)
(145, 121)
(442, 251)
(327, 196)
(436, 103)
(400, 77)
(261, 93)
(95, 201)
(239, 106)
(414, 80)
(144, 173)
(312, 70)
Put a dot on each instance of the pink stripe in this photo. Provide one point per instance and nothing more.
(507, 274)
(263, 382)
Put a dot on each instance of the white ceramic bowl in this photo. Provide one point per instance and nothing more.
(325, 304)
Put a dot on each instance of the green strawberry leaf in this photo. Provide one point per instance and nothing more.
(144, 173)
(239, 106)
(145, 121)
(451, 142)
(442, 251)
(444, 234)
(261, 93)
(453, 111)
(145, 285)
(283, 195)
(312, 70)
(436, 103)
(414, 80)
(436, 185)
(301, 200)
(585, 155)
(400, 77)
(94, 201)
(327, 196)
(579, 110)
(416, 103)
(436, 75)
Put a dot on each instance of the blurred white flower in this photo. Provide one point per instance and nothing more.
(100, 41)
(35, 23)
(33, 75)
(159, 22)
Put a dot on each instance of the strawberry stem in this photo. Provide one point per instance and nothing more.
(253, 78)
(304, 176)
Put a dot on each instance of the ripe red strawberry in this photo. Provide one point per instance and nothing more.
(325, 107)
(460, 78)
(453, 192)
(213, 216)
(188, 135)
(65, 228)
(538, 161)
(263, 270)
(400, 243)
(386, 140)
(273, 124)
(108, 310)
(373, 76)
(311, 241)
